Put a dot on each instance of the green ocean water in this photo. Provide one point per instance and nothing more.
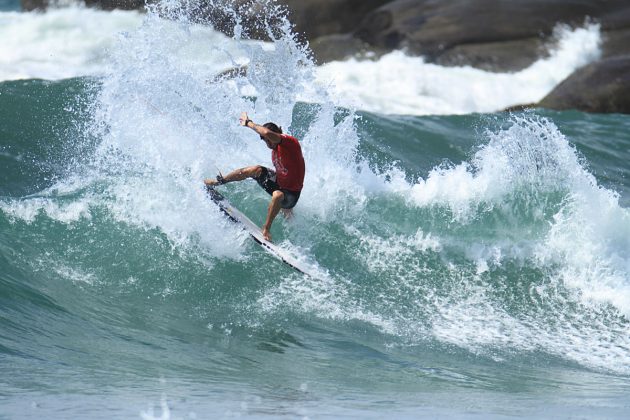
(462, 266)
(443, 290)
(10, 5)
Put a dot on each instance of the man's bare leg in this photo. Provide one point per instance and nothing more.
(236, 175)
(272, 212)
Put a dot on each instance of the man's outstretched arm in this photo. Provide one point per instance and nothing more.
(271, 136)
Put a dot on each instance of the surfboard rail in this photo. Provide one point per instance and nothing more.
(236, 216)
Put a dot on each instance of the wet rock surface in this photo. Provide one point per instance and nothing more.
(603, 86)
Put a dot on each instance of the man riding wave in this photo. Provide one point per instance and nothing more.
(284, 183)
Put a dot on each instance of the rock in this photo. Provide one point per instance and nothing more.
(116, 4)
(603, 86)
(340, 47)
(506, 56)
(616, 43)
(432, 28)
(316, 18)
(30, 5)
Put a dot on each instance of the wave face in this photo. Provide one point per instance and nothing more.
(455, 255)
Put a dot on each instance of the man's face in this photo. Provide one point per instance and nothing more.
(268, 143)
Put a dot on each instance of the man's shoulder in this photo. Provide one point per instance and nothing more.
(291, 140)
(289, 137)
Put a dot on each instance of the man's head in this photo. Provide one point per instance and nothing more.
(276, 129)
(273, 127)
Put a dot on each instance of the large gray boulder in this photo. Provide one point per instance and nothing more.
(603, 86)
(502, 56)
(116, 4)
(29, 5)
(315, 18)
(311, 18)
(435, 28)
(616, 43)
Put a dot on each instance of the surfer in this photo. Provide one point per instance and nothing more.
(284, 183)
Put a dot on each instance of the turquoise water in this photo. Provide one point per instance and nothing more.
(424, 309)
(471, 266)
(10, 5)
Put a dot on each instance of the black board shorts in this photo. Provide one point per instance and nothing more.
(267, 181)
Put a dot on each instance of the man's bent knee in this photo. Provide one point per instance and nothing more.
(250, 172)
(277, 195)
(255, 171)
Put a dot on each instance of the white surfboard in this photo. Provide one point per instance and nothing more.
(254, 231)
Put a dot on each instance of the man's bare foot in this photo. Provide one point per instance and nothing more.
(266, 234)
(211, 182)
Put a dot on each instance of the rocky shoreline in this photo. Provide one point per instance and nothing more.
(494, 35)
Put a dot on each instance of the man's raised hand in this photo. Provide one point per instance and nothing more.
(243, 119)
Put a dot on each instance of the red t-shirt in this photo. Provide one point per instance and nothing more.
(289, 163)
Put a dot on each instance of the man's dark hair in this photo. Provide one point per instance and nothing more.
(273, 127)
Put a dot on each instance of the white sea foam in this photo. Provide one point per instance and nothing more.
(78, 41)
(75, 275)
(27, 210)
(61, 43)
(399, 84)
(323, 296)
(473, 320)
(530, 154)
(589, 234)
(581, 247)
(380, 254)
(167, 123)
(172, 125)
